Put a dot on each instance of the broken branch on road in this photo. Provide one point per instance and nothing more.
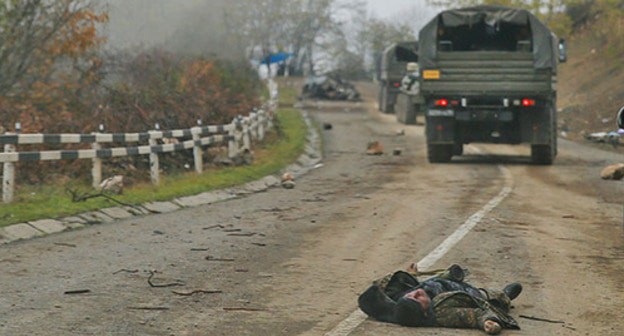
(197, 291)
(171, 284)
(541, 319)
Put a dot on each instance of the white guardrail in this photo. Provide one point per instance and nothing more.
(238, 136)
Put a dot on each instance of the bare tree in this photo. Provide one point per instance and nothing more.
(30, 33)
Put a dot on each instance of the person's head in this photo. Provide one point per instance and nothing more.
(414, 309)
(412, 67)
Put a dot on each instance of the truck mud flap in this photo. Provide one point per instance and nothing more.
(440, 130)
(536, 127)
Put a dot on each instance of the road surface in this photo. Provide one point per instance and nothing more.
(293, 261)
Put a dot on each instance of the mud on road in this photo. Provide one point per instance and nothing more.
(293, 261)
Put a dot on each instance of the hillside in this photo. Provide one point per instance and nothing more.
(591, 88)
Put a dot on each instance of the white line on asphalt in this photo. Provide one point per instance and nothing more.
(349, 324)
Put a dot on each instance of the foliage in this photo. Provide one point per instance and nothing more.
(157, 87)
(46, 60)
(51, 200)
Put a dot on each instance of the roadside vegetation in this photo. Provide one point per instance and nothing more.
(52, 200)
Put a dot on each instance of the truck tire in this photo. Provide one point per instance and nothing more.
(458, 149)
(544, 154)
(404, 109)
(439, 153)
(382, 87)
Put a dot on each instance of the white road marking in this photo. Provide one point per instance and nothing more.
(349, 324)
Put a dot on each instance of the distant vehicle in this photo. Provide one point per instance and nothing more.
(393, 62)
(488, 74)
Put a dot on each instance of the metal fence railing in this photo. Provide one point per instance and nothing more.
(237, 135)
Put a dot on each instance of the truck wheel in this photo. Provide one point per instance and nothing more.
(458, 149)
(439, 153)
(380, 97)
(404, 110)
(542, 154)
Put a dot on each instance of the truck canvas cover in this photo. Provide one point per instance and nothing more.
(542, 46)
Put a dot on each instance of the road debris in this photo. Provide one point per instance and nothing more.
(197, 291)
(77, 291)
(170, 284)
(288, 180)
(611, 137)
(211, 258)
(541, 319)
(244, 309)
(374, 148)
(330, 87)
(65, 244)
(148, 308)
(327, 126)
(113, 184)
(613, 172)
(397, 151)
(126, 271)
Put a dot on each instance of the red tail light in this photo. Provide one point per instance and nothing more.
(396, 84)
(441, 102)
(526, 102)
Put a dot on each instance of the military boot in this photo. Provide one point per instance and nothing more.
(513, 290)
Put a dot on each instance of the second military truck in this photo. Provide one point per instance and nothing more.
(392, 69)
(488, 75)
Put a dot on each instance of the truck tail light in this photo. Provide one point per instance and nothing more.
(441, 102)
(396, 84)
(526, 102)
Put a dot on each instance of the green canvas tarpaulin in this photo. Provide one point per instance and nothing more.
(543, 46)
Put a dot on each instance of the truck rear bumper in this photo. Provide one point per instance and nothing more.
(446, 126)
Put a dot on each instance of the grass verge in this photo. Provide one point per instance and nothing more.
(282, 146)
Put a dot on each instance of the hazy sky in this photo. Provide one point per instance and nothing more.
(415, 13)
(385, 8)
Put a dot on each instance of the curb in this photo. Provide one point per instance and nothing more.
(310, 159)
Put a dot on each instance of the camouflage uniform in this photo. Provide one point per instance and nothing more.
(462, 310)
(455, 304)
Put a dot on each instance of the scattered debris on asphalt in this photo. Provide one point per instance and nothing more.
(329, 87)
(77, 291)
(327, 126)
(197, 291)
(374, 148)
(126, 271)
(400, 132)
(397, 151)
(288, 180)
(211, 258)
(170, 284)
(612, 137)
(243, 309)
(613, 172)
(148, 308)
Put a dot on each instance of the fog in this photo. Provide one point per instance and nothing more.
(189, 26)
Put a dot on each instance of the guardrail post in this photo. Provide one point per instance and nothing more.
(197, 149)
(8, 176)
(96, 169)
(233, 142)
(255, 120)
(261, 121)
(154, 161)
(246, 136)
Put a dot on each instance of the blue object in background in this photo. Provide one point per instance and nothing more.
(276, 58)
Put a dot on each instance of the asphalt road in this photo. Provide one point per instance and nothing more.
(293, 261)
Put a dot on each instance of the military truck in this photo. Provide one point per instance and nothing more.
(488, 75)
(392, 68)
